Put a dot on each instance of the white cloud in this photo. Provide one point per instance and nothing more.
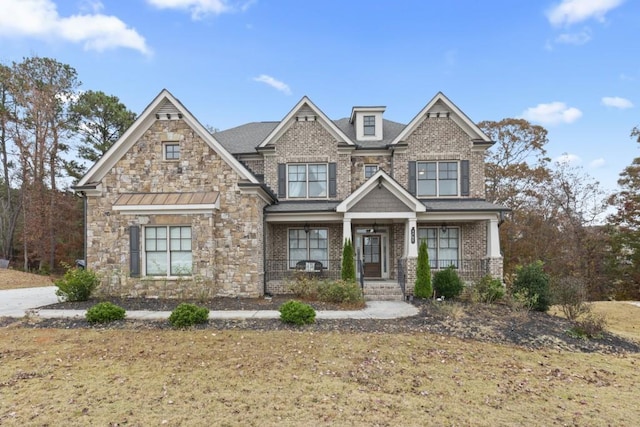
(277, 84)
(569, 12)
(597, 163)
(580, 38)
(40, 19)
(201, 8)
(617, 102)
(552, 113)
(568, 158)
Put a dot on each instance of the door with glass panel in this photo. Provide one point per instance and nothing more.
(371, 256)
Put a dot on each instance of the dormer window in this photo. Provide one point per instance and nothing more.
(369, 125)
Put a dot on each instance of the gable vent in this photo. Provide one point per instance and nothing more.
(168, 111)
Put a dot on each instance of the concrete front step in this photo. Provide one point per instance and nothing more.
(382, 291)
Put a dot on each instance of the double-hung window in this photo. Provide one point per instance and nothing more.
(308, 245)
(369, 125)
(168, 251)
(307, 180)
(437, 179)
(443, 245)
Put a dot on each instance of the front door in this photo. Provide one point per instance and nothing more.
(371, 255)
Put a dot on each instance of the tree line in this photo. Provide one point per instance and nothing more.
(49, 130)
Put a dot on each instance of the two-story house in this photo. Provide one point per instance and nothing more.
(173, 210)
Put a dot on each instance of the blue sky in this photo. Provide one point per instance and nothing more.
(572, 66)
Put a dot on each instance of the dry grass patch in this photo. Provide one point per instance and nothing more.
(13, 279)
(205, 377)
(622, 318)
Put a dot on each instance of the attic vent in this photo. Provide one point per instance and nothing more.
(168, 111)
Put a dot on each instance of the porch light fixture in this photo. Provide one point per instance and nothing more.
(444, 227)
(306, 227)
(168, 116)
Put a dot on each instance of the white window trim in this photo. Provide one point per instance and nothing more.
(365, 126)
(168, 276)
(307, 181)
(164, 151)
(438, 228)
(437, 162)
(364, 170)
(326, 267)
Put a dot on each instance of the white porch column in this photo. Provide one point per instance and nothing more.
(346, 230)
(412, 238)
(493, 239)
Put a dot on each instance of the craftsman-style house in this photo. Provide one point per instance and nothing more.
(175, 211)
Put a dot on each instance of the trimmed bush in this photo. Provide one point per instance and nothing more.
(348, 265)
(423, 287)
(534, 282)
(76, 285)
(105, 312)
(341, 292)
(447, 283)
(488, 290)
(304, 286)
(297, 313)
(186, 315)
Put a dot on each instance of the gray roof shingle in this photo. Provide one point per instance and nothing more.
(244, 139)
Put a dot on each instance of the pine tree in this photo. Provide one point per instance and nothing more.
(423, 287)
(348, 266)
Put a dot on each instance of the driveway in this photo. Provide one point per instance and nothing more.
(16, 302)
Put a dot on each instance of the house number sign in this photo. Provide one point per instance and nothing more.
(413, 235)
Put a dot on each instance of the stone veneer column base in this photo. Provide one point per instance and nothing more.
(495, 267)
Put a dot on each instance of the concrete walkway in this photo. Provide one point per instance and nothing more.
(16, 302)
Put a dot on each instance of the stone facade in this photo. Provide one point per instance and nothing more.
(227, 243)
(240, 247)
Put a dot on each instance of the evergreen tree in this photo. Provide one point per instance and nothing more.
(348, 266)
(423, 287)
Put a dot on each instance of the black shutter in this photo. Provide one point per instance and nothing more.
(412, 178)
(464, 176)
(333, 187)
(282, 180)
(134, 251)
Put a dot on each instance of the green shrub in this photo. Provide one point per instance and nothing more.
(186, 315)
(297, 313)
(447, 283)
(570, 294)
(341, 292)
(348, 271)
(533, 281)
(423, 287)
(591, 326)
(77, 284)
(304, 286)
(105, 312)
(488, 289)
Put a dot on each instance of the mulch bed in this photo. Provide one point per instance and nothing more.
(477, 322)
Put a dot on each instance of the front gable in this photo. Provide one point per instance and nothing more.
(441, 107)
(305, 111)
(381, 193)
(165, 107)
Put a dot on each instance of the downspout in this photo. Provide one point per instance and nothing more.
(264, 250)
(84, 227)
